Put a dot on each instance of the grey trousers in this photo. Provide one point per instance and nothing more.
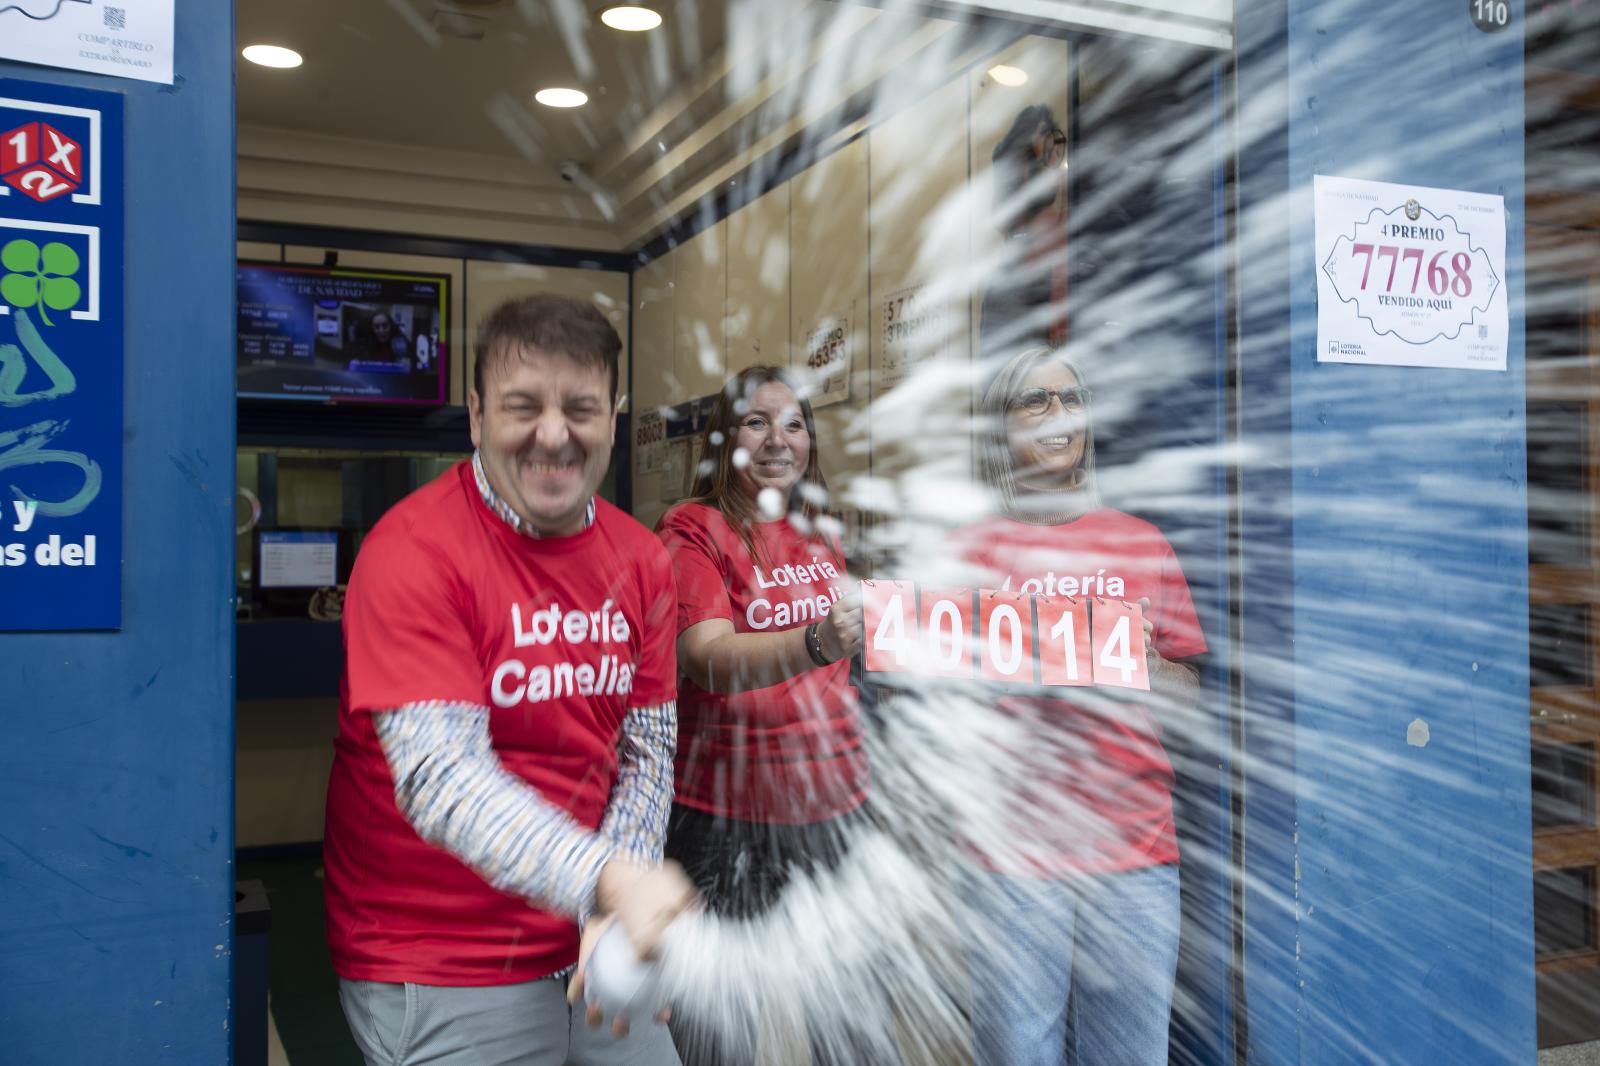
(528, 1024)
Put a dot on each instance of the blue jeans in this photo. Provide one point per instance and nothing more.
(1113, 936)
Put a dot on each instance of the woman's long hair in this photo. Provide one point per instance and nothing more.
(996, 463)
(717, 484)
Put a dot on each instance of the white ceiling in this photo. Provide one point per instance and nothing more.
(417, 115)
(394, 105)
(383, 70)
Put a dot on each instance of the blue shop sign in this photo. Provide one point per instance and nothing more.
(61, 350)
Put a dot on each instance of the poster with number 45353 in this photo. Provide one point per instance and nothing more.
(1410, 276)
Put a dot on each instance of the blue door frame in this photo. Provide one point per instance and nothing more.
(1386, 890)
(116, 778)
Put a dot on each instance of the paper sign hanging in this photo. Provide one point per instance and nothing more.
(117, 38)
(1409, 275)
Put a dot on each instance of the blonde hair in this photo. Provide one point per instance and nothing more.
(996, 462)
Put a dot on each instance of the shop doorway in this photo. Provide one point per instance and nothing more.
(1563, 469)
(1563, 339)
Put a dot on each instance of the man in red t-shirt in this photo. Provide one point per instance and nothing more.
(503, 770)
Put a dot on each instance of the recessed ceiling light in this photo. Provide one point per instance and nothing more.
(1008, 76)
(561, 97)
(271, 55)
(632, 19)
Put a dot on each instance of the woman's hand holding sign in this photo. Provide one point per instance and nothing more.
(839, 632)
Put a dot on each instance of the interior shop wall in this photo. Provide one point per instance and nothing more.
(824, 262)
(285, 747)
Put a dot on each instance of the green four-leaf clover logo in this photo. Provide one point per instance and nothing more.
(40, 277)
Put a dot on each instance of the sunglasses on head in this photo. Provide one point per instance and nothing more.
(1036, 401)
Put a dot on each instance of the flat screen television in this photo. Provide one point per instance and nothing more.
(337, 334)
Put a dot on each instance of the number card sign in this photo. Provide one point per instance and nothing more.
(889, 619)
(61, 345)
(945, 619)
(1064, 621)
(1002, 636)
(1006, 621)
(1116, 633)
(1410, 276)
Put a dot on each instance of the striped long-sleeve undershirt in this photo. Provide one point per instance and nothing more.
(453, 789)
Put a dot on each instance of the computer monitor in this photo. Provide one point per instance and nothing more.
(297, 559)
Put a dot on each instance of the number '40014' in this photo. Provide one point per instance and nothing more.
(1002, 636)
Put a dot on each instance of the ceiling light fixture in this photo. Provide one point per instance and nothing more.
(272, 55)
(556, 97)
(1008, 76)
(631, 19)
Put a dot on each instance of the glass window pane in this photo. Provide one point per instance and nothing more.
(1558, 500)
(1563, 785)
(1558, 650)
(1563, 910)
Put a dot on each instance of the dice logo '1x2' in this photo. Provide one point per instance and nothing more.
(40, 161)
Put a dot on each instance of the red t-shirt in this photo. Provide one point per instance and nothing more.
(789, 754)
(560, 638)
(1094, 793)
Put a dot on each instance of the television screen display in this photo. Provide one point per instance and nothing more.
(331, 333)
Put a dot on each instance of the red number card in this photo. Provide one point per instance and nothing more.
(1005, 636)
(1064, 657)
(1117, 639)
(945, 617)
(889, 623)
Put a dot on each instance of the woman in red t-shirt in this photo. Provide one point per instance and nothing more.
(1080, 878)
(770, 766)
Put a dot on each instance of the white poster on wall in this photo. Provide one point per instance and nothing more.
(117, 38)
(675, 469)
(1410, 276)
(697, 458)
(827, 353)
(649, 440)
(914, 327)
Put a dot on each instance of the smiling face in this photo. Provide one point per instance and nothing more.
(1046, 448)
(773, 432)
(544, 430)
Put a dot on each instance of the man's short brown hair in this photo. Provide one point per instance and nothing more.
(558, 324)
